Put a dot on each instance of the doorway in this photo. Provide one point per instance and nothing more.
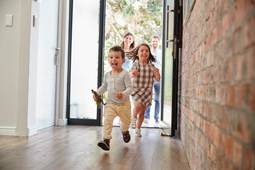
(91, 34)
(145, 20)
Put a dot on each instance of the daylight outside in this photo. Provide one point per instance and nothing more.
(143, 18)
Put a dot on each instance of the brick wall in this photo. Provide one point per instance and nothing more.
(217, 93)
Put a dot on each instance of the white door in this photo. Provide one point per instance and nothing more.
(46, 75)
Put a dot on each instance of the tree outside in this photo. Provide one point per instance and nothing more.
(143, 18)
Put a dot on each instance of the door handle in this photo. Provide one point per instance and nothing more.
(57, 56)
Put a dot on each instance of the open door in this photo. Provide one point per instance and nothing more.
(86, 33)
(46, 62)
(167, 63)
(172, 52)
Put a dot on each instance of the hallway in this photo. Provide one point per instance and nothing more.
(75, 148)
(212, 48)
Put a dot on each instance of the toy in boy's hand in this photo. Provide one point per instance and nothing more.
(97, 97)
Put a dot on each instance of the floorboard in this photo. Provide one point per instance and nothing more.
(75, 148)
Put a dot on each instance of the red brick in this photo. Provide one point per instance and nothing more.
(202, 125)
(203, 92)
(207, 129)
(210, 39)
(211, 93)
(249, 159)
(200, 105)
(227, 22)
(230, 96)
(197, 121)
(241, 91)
(243, 8)
(229, 69)
(221, 94)
(222, 120)
(250, 63)
(212, 152)
(227, 47)
(249, 34)
(237, 42)
(237, 153)
(218, 73)
(240, 66)
(251, 98)
(241, 128)
(228, 145)
(216, 136)
(224, 164)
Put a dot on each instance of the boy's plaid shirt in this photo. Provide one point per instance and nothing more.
(142, 84)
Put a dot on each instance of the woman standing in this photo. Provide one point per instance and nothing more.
(127, 45)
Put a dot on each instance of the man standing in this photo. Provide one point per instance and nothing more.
(156, 86)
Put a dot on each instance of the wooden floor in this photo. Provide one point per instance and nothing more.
(75, 148)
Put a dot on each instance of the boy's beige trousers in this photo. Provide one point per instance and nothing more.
(113, 110)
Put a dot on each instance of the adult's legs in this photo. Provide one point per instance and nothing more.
(147, 112)
(156, 86)
(156, 111)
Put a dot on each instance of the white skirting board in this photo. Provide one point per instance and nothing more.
(61, 122)
(11, 131)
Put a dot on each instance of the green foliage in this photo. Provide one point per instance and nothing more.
(128, 11)
(153, 6)
(143, 18)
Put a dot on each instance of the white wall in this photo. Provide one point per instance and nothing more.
(9, 65)
(15, 56)
(18, 68)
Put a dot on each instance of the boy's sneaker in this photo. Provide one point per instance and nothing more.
(138, 132)
(126, 136)
(104, 144)
(133, 122)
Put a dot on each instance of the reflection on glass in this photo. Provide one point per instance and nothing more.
(84, 58)
(168, 72)
(168, 85)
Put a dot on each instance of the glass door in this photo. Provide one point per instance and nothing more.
(85, 61)
(168, 63)
(172, 55)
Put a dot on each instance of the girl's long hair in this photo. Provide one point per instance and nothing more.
(134, 53)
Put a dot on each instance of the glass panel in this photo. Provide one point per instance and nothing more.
(170, 24)
(84, 59)
(168, 71)
(168, 75)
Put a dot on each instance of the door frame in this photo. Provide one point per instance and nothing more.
(177, 48)
(98, 120)
(164, 41)
(177, 51)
